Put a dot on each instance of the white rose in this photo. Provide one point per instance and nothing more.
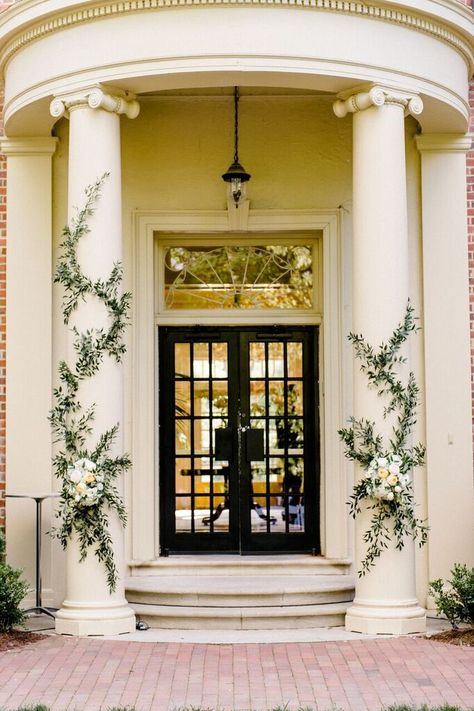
(89, 465)
(382, 461)
(100, 487)
(77, 498)
(75, 475)
(398, 489)
(394, 469)
(390, 496)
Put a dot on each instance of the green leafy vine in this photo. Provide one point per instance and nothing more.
(88, 474)
(386, 483)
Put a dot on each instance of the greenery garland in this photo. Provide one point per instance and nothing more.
(386, 483)
(88, 475)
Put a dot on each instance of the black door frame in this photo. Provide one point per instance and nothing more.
(240, 538)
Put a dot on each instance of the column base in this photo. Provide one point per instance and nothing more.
(82, 620)
(397, 618)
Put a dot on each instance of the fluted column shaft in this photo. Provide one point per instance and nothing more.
(385, 599)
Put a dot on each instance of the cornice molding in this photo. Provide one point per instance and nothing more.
(108, 9)
(36, 146)
(444, 142)
(97, 96)
(377, 96)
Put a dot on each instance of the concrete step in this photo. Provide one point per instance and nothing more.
(197, 565)
(244, 599)
(241, 618)
(224, 591)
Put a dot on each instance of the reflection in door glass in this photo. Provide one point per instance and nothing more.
(201, 406)
(277, 407)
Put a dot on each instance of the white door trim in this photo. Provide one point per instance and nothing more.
(144, 486)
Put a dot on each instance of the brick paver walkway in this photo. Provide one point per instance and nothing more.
(89, 674)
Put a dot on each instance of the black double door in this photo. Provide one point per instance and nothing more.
(239, 440)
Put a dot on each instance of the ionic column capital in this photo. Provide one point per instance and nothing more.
(96, 97)
(378, 96)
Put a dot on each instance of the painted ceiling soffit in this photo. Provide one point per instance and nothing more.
(107, 9)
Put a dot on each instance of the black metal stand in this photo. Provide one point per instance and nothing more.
(38, 609)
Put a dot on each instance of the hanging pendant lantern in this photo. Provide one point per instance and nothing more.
(236, 174)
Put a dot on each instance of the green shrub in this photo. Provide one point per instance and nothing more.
(12, 591)
(456, 602)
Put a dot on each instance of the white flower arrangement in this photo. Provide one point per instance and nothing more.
(86, 484)
(384, 480)
(386, 487)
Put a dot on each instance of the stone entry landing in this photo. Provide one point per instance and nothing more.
(253, 593)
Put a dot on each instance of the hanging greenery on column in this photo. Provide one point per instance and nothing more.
(88, 473)
(386, 486)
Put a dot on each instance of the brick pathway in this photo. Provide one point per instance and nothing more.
(89, 674)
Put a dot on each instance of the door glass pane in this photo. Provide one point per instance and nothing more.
(183, 436)
(184, 476)
(257, 398)
(182, 360)
(219, 360)
(295, 398)
(201, 360)
(183, 514)
(277, 397)
(294, 361)
(266, 276)
(219, 398)
(276, 366)
(182, 398)
(257, 360)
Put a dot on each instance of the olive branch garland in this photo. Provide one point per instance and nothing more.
(70, 421)
(363, 445)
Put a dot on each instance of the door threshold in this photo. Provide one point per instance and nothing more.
(228, 564)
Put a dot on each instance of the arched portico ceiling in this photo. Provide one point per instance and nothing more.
(331, 46)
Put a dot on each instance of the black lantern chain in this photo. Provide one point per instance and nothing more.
(236, 174)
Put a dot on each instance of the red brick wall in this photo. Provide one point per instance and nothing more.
(3, 334)
(470, 238)
(3, 305)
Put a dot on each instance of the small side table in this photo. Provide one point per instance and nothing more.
(38, 498)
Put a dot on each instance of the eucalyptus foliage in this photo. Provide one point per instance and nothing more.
(72, 423)
(393, 506)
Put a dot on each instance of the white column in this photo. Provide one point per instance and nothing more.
(29, 288)
(447, 343)
(94, 149)
(385, 601)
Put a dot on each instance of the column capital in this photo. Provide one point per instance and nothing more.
(377, 96)
(97, 96)
(34, 146)
(444, 142)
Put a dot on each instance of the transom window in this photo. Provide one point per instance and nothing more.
(262, 273)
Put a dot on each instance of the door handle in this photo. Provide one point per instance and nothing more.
(254, 445)
(224, 445)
